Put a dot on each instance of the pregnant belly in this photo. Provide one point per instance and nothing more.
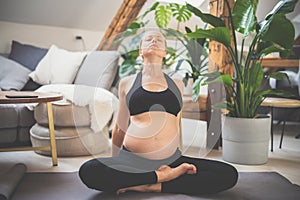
(153, 137)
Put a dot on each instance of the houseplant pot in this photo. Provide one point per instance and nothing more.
(243, 93)
(250, 135)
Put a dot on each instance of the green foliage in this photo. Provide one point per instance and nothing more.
(181, 13)
(243, 96)
(163, 14)
(129, 64)
(196, 58)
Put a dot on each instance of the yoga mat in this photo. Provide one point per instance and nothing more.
(250, 186)
(9, 180)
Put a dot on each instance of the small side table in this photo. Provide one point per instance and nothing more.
(40, 98)
(274, 102)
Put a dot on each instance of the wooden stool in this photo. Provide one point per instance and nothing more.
(274, 102)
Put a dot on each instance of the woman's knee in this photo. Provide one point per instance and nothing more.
(231, 176)
(86, 174)
(92, 173)
(96, 175)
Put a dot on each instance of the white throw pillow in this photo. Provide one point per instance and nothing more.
(57, 66)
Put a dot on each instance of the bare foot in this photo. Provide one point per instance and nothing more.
(166, 173)
(142, 188)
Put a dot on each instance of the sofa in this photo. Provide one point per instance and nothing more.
(31, 68)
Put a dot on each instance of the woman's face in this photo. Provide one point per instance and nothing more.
(153, 42)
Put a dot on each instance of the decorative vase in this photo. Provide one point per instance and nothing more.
(246, 140)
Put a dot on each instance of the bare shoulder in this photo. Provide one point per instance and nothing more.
(126, 83)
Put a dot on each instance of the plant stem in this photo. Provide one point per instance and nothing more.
(251, 52)
(232, 28)
(235, 61)
(242, 50)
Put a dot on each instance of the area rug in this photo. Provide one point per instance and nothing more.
(67, 185)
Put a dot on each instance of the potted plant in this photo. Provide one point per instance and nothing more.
(243, 98)
(196, 58)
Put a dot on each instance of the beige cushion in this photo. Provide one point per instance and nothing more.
(99, 69)
(71, 141)
(63, 115)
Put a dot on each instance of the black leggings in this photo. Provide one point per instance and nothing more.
(128, 169)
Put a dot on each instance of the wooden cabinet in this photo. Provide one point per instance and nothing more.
(194, 110)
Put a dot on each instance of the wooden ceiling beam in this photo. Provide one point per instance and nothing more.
(219, 57)
(128, 11)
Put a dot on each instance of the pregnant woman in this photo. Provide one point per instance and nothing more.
(145, 140)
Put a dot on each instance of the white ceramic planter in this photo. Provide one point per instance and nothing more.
(245, 141)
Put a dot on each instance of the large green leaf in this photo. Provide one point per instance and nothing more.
(219, 34)
(194, 51)
(265, 48)
(218, 77)
(281, 31)
(163, 16)
(207, 18)
(283, 7)
(255, 77)
(200, 41)
(152, 8)
(196, 88)
(244, 16)
(181, 13)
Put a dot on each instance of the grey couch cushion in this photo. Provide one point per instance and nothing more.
(8, 136)
(15, 122)
(9, 117)
(13, 115)
(24, 135)
(27, 55)
(98, 69)
(26, 118)
(13, 76)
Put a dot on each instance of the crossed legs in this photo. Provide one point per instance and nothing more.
(185, 175)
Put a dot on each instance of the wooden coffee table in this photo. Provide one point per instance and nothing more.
(34, 97)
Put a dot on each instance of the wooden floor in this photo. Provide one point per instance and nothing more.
(285, 161)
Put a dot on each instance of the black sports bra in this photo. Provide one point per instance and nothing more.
(140, 100)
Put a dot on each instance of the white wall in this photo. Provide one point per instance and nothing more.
(44, 36)
(90, 15)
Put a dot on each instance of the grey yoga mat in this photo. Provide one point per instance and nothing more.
(10, 179)
(68, 186)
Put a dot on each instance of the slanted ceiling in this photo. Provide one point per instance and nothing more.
(95, 15)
